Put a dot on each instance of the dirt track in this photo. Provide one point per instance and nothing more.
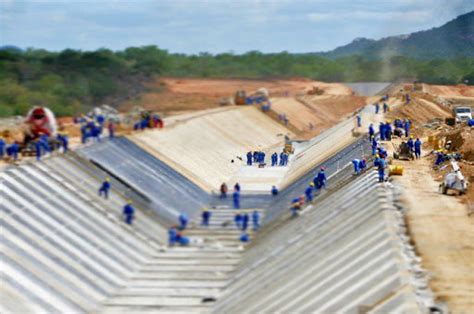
(443, 235)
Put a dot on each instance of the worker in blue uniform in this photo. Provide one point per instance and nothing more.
(309, 192)
(321, 179)
(128, 212)
(362, 164)
(385, 107)
(381, 170)
(206, 216)
(371, 131)
(256, 220)
(439, 158)
(377, 108)
(418, 148)
(236, 199)
(104, 189)
(13, 150)
(374, 146)
(382, 131)
(38, 149)
(407, 126)
(274, 190)
(359, 120)
(249, 159)
(355, 163)
(244, 237)
(238, 220)
(411, 144)
(172, 236)
(183, 221)
(245, 221)
(2, 148)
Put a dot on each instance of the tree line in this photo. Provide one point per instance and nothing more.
(73, 81)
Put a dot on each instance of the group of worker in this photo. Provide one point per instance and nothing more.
(385, 107)
(9, 150)
(258, 157)
(319, 182)
(128, 211)
(93, 128)
(43, 144)
(235, 194)
(149, 120)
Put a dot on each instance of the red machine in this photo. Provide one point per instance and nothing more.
(39, 121)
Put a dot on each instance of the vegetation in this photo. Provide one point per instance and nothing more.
(72, 81)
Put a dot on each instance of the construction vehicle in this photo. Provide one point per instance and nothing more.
(240, 98)
(38, 122)
(454, 180)
(462, 114)
(315, 91)
(288, 149)
(403, 152)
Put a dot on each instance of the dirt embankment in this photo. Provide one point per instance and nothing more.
(184, 94)
(447, 91)
(441, 226)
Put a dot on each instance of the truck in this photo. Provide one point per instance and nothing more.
(462, 114)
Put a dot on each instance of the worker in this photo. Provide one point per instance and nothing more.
(183, 221)
(439, 158)
(274, 190)
(13, 150)
(377, 108)
(371, 131)
(206, 216)
(321, 179)
(382, 152)
(245, 221)
(111, 128)
(249, 158)
(385, 107)
(223, 190)
(274, 159)
(295, 207)
(84, 134)
(255, 156)
(417, 148)
(406, 126)
(238, 220)
(104, 189)
(309, 192)
(362, 164)
(172, 236)
(244, 237)
(100, 119)
(181, 239)
(256, 220)
(355, 163)
(63, 141)
(128, 212)
(411, 144)
(262, 157)
(381, 170)
(96, 132)
(237, 187)
(236, 199)
(388, 131)
(282, 158)
(374, 146)
(377, 160)
(359, 120)
(38, 149)
(2, 148)
(382, 131)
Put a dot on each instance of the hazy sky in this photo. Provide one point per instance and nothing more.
(192, 26)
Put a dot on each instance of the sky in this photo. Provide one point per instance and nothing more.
(215, 26)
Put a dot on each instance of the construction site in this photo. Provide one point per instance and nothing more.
(397, 238)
